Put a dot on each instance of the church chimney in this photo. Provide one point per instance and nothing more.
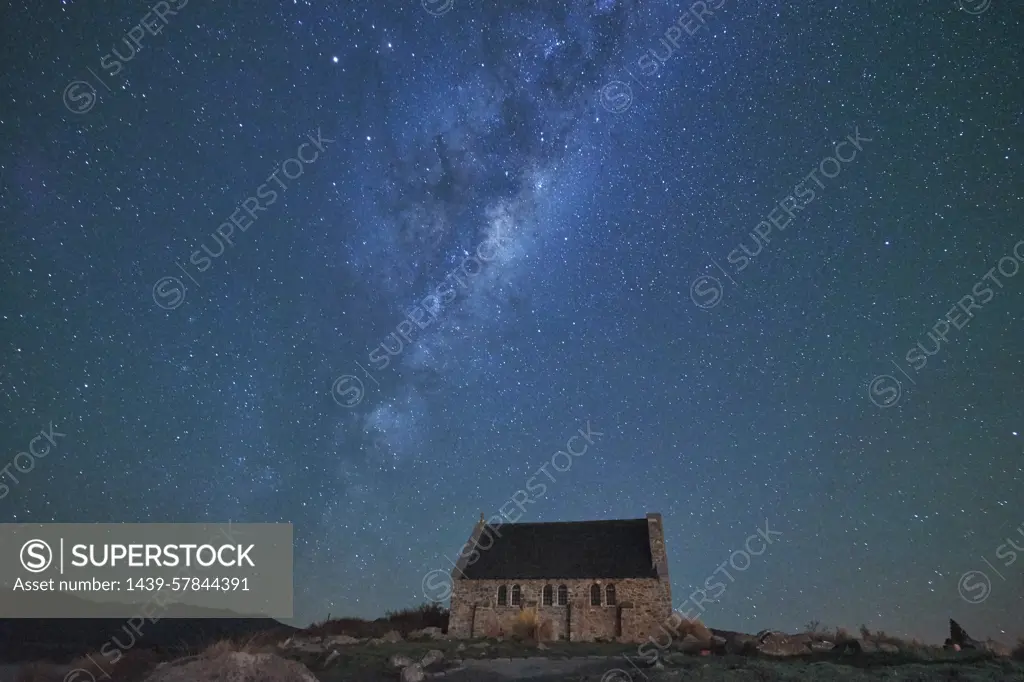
(656, 535)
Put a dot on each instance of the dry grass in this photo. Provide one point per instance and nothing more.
(405, 621)
(880, 637)
(527, 625)
(249, 645)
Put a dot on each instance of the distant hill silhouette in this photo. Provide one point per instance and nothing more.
(62, 639)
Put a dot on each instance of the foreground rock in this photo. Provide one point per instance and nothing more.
(302, 644)
(960, 640)
(428, 633)
(414, 673)
(959, 636)
(432, 657)
(341, 640)
(232, 667)
(779, 644)
(399, 661)
(691, 645)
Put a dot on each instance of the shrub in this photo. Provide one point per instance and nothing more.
(250, 645)
(422, 616)
(404, 621)
(526, 625)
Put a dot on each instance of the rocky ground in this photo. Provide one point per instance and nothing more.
(429, 655)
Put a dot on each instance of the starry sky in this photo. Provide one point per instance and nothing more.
(366, 267)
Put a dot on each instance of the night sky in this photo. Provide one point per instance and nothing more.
(366, 267)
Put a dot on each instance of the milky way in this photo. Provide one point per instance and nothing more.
(512, 221)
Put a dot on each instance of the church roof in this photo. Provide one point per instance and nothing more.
(567, 550)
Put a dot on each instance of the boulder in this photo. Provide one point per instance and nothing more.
(960, 640)
(414, 673)
(302, 644)
(718, 643)
(399, 661)
(740, 644)
(690, 645)
(392, 636)
(998, 648)
(234, 666)
(959, 636)
(887, 648)
(330, 659)
(821, 646)
(780, 644)
(432, 657)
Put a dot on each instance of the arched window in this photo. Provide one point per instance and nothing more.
(517, 595)
(502, 595)
(547, 596)
(595, 595)
(609, 594)
(563, 595)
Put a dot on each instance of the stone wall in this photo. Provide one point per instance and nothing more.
(642, 605)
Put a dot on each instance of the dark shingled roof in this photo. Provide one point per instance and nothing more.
(570, 550)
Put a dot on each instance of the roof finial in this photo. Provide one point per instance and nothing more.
(481, 517)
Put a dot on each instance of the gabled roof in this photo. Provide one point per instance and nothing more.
(567, 550)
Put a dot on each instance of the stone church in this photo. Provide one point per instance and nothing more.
(583, 581)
